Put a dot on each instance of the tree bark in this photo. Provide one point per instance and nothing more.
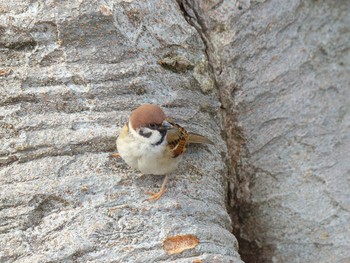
(282, 69)
(267, 81)
(71, 72)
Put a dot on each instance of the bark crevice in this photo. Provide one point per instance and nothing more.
(239, 172)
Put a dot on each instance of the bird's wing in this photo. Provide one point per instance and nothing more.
(177, 139)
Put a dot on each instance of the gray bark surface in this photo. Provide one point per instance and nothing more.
(71, 72)
(267, 81)
(283, 72)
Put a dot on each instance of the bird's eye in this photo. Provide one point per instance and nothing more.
(152, 126)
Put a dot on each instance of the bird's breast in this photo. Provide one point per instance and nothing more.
(147, 158)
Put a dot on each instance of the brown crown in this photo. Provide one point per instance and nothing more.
(146, 114)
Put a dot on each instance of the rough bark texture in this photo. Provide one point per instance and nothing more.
(70, 73)
(273, 75)
(283, 72)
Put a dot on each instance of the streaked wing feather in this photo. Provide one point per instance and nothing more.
(177, 139)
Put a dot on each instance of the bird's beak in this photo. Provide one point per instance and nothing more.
(166, 126)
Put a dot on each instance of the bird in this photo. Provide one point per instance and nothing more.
(152, 143)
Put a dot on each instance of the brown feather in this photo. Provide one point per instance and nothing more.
(146, 114)
(197, 138)
(178, 138)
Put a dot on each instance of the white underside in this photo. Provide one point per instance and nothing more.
(141, 155)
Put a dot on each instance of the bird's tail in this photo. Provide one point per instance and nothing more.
(197, 138)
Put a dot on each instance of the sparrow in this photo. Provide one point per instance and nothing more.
(153, 144)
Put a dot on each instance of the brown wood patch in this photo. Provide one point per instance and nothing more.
(177, 244)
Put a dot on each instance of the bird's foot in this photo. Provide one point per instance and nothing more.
(155, 196)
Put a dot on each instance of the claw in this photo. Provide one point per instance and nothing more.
(156, 196)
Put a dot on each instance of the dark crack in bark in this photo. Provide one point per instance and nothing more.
(238, 172)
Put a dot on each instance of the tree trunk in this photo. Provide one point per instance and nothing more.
(267, 81)
(282, 69)
(71, 72)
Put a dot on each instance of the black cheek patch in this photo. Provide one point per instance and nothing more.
(145, 134)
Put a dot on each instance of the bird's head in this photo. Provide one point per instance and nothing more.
(148, 124)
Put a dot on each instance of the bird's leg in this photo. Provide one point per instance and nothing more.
(156, 196)
(115, 155)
